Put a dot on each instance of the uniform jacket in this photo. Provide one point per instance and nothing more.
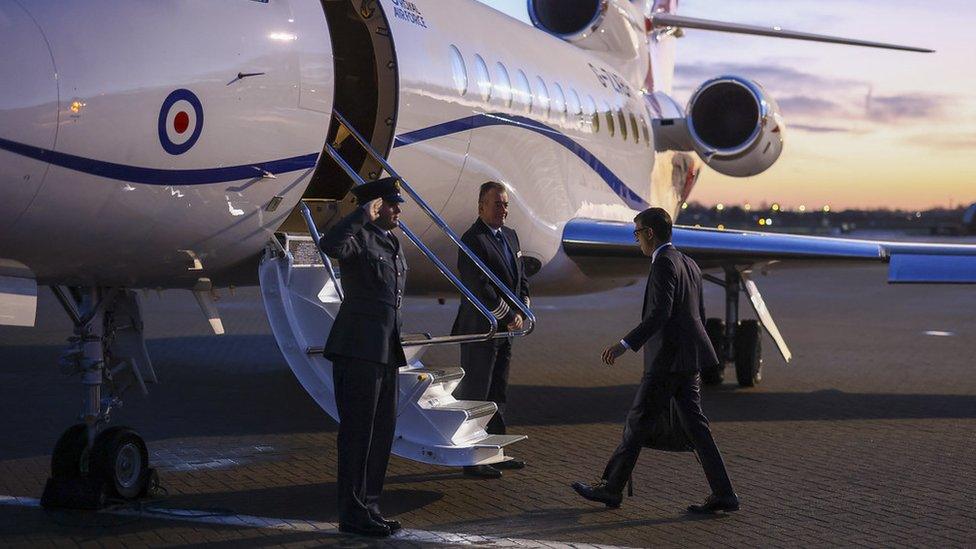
(481, 241)
(373, 272)
(673, 307)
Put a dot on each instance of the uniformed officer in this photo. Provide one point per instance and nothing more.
(365, 350)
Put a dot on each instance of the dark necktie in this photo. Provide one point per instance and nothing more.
(505, 250)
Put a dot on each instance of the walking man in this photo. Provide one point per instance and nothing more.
(365, 350)
(486, 363)
(673, 308)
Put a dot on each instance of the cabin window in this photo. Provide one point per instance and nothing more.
(523, 91)
(593, 114)
(558, 101)
(633, 128)
(460, 72)
(542, 93)
(611, 125)
(484, 78)
(623, 124)
(647, 136)
(503, 85)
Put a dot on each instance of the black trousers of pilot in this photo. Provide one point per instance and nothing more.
(485, 366)
(653, 397)
(366, 396)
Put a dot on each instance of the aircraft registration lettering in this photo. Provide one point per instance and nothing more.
(610, 81)
(408, 11)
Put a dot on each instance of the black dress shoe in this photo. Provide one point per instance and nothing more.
(714, 504)
(367, 527)
(513, 463)
(482, 471)
(392, 524)
(600, 493)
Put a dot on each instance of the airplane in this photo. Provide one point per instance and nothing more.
(206, 145)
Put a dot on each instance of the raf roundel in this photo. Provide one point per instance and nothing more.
(180, 121)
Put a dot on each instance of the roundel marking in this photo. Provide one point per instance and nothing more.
(180, 121)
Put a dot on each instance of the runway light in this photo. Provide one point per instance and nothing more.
(826, 208)
(775, 207)
(721, 227)
(747, 207)
(762, 222)
(720, 207)
(802, 208)
(769, 222)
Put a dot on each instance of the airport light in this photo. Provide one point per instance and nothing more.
(802, 208)
(762, 222)
(721, 227)
(826, 208)
(769, 221)
(720, 206)
(775, 207)
(684, 205)
(747, 207)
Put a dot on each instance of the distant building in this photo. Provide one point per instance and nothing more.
(969, 220)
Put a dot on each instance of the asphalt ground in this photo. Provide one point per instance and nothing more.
(865, 438)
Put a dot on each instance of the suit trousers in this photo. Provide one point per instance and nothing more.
(653, 397)
(366, 396)
(485, 366)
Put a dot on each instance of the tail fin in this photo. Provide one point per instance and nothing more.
(661, 46)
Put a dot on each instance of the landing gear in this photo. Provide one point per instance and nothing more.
(735, 341)
(91, 462)
(748, 353)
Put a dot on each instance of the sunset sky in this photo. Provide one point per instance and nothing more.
(865, 127)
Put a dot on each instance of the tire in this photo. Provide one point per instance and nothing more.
(715, 328)
(121, 460)
(68, 453)
(748, 353)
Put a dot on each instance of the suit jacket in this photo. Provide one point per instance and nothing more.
(673, 307)
(373, 272)
(482, 242)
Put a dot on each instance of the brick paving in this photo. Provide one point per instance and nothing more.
(866, 439)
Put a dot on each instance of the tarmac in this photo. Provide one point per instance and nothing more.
(865, 439)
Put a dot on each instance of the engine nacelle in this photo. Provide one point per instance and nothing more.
(615, 27)
(735, 126)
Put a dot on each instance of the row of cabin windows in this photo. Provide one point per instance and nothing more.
(550, 102)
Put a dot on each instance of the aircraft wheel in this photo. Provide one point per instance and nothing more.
(715, 328)
(68, 453)
(748, 353)
(120, 458)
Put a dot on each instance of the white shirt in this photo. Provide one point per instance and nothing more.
(653, 257)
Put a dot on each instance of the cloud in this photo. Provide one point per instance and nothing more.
(891, 109)
(772, 76)
(816, 129)
(804, 105)
(944, 141)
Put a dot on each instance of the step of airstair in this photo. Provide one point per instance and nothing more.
(432, 426)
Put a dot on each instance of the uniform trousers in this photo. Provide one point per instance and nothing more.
(366, 397)
(485, 366)
(653, 398)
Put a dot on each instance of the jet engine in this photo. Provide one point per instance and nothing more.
(735, 126)
(614, 27)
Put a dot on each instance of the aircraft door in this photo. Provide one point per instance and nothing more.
(28, 110)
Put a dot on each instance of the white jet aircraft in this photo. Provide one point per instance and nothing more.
(202, 145)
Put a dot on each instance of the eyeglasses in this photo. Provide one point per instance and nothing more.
(637, 232)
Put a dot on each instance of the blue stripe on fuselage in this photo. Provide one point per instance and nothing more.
(155, 176)
(497, 119)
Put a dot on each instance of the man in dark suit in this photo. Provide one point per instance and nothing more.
(673, 309)
(486, 363)
(365, 350)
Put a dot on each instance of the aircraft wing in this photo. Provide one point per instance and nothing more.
(594, 243)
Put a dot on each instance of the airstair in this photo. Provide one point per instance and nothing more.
(302, 293)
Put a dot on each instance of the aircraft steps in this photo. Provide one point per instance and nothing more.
(432, 426)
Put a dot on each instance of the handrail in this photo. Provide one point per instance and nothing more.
(314, 231)
(528, 316)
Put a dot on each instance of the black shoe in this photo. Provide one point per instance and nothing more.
(392, 524)
(482, 471)
(600, 493)
(513, 463)
(714, 504)
(367, 527)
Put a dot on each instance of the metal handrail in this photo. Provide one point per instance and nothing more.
(314, 231)
(528, 316)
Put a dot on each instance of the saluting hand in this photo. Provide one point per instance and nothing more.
(611, 353)
(373, 209)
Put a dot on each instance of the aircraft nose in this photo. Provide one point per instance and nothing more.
(28, 110)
